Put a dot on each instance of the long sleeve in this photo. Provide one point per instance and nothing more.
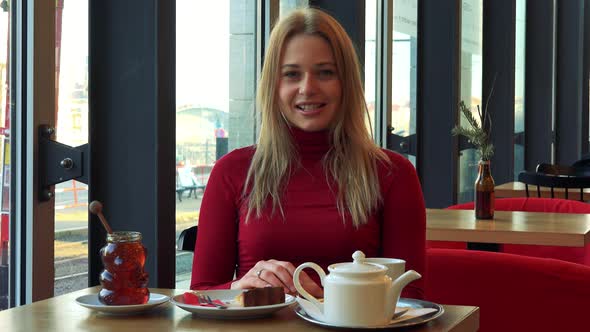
(226, 246)
(215, 256)
(404, 222)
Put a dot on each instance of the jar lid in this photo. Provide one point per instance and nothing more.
(124, 236)
(358, 266)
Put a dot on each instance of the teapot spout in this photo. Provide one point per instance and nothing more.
(401, 282)
(405, 279)
(396, 288)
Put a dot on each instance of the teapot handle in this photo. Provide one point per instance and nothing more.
(302, 291)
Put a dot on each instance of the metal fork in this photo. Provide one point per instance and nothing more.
(207, 299)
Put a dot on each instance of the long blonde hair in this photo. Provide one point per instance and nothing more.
(353, 156)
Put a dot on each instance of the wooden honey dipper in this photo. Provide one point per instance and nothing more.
(95, 207)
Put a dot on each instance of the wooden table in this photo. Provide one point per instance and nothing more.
(554, 229)
(63, 314)
(517, 189)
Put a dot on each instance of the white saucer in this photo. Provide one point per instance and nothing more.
(91, 301)
(313, 315)
(233, 311)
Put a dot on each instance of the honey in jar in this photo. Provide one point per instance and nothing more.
(123, 279)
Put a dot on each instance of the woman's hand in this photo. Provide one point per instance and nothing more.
(278, 274)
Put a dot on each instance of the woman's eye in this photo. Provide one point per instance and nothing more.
(326, 73)
(291, 74)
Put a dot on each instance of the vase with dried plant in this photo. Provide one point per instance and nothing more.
(478, 133)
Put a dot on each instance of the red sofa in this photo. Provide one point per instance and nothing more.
(513, 292)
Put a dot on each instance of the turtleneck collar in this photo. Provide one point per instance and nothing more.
(311, 144)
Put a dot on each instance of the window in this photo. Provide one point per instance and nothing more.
(5, 147)
(403, 76)
(286, 6)
(519, 73)
(215, 99)
(471, 89)
(71, 197)
(370, 59)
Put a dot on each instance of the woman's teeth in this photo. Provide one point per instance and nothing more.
(309, 107)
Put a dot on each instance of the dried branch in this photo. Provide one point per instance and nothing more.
(478, 133)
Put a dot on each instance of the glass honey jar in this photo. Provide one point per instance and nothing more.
(123, 280)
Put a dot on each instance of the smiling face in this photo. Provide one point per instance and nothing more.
(309, 87)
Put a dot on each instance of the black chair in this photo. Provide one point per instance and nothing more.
(583, 162)
(186, 239)
(557, 176)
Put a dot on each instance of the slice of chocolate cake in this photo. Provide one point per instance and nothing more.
(261, 296)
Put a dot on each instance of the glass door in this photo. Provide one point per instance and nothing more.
(28, 73)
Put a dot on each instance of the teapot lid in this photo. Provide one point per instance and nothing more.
(358, 266)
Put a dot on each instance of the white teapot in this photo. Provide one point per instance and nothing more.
(357, 294)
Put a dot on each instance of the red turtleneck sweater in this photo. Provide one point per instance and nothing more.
(313, 229)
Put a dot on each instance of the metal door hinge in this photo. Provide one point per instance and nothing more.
(402, 144)
(59, 163)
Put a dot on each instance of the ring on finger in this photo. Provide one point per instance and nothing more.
(258, 273)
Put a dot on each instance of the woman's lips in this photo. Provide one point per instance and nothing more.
(310, 108)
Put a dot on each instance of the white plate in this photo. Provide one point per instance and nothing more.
(91, 301)
(403, 302)
(233, 311)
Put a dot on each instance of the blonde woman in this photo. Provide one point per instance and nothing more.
(315, 187)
